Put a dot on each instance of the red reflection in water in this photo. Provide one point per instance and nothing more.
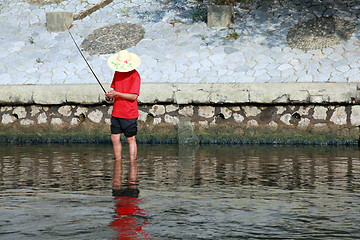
(130, 218)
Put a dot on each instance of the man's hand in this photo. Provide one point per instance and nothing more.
(126, 96)
(111, 94)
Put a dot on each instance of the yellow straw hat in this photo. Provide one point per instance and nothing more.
(124, 61)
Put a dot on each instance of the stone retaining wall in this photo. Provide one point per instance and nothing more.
(173, 123)
(188, 113)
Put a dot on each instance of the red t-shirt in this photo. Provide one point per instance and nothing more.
(126, 82)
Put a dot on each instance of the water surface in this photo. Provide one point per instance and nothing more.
(186, 192)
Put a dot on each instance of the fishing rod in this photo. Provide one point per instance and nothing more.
(85, 59)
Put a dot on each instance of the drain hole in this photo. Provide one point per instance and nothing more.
(81, 117)
(220, 115)
(296, 116)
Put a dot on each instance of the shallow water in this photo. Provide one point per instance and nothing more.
(206, 192)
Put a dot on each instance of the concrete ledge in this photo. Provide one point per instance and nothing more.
(204, 93)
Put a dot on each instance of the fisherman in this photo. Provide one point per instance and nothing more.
(126, 88)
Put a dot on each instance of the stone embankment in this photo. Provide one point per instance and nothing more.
(187, 113)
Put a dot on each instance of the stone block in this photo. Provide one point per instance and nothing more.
(320, 113)
(65, 110)
(95, 116)
(355, 115)
(55, 21)
(251, 111)
(7, 118)
(220, 15)
(56, 121)
(154, 92)
(157, 110)
(252, 123)
(26, 122)
(48, 94)
(206, 111)
(286, 118)
(16, 94)
(238, 117)
(225, 112)
(192, 93)
(171, 119)
(42, 118)
(20, 112)
(187, 111)
(339, 116)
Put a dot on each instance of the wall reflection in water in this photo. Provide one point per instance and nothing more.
(280, 167)
(90, 167)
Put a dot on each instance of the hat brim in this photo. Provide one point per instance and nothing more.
(130, 65)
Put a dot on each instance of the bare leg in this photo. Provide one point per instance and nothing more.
(115, 138)
(133, 165)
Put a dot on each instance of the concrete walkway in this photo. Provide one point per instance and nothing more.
(177, 49)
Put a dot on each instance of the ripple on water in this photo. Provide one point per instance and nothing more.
(204, 192)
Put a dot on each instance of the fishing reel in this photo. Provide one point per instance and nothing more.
(110, 100)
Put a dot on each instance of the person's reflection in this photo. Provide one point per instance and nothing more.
(129, 218)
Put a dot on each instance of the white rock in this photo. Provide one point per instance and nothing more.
(339, 116)
(82, 110)
(320, 113)
(304, 123)
(251, 111)
(26, 122)
(286, 118)
(355, 115)
(7, 118)
(95, 116)
(74, 121)
(65, 110)
(206, 112)
(56, 121)
(142, 116)
(157, 121)
(42, 118)
(187, 111)
(238, 117)
(252, 123)
(273, 125)
(6, 108)
(174, 120)
(157, 110)
(20, 112)
(34, 110)
(171, 108)
(226, 112)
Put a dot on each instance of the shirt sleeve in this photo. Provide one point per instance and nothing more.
(135, 87)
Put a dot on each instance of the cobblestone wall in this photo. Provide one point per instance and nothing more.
(206, 123)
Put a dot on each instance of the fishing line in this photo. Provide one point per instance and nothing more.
(85, 59)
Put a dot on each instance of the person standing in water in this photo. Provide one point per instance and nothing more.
(125, 91)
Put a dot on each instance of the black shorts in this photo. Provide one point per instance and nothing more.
(123, 125)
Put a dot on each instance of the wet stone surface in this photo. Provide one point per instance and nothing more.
(113, 38)
(320, 33)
